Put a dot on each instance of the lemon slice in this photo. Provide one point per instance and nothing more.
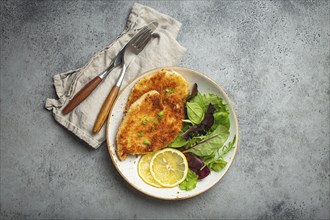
(169, 167)
(144, 170)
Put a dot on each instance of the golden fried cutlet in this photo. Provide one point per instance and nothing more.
(147, 126)
(170, 84)
(154, 114)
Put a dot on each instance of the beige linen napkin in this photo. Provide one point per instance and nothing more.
(163, 50)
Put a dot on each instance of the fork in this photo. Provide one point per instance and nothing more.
(132, 49)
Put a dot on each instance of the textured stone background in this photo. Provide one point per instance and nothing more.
(272, 57)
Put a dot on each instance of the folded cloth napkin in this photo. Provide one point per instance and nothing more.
(163, 50)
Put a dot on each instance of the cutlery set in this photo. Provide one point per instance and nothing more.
(123, 59)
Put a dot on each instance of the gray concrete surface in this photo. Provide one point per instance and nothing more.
(272, 57)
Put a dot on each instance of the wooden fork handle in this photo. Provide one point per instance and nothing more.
(82, 95)
(106, 108)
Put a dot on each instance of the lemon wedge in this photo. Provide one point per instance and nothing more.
(169, 167)
(144, 170)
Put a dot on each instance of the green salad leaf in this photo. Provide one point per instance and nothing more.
(203, 100)
(226, 149)
(190, 182)
(200, 100)
(178, 141)
(221, 118)
(217, 163)
(216, 101)
(212, 143)
(195, 112)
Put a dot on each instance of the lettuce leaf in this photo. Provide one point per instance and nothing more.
(204, 100)
(211, 144)
(230, 146)
(217, 163)
(195, 112)
(190, 182)
(221, 116)
(179, 141)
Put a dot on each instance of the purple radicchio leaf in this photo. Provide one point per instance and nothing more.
(196, 129)
(203, 172)
(196, 164)
(194, 92)
(209, 118)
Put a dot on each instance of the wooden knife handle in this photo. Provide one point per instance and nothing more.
(106, 108)
(82, 95)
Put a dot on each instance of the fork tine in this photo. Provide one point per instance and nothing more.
(142, 36)
(143, 40)
(139, 35)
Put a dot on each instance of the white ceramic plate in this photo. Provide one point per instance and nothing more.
(128, 167)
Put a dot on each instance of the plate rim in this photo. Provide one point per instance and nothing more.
(229, 103)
